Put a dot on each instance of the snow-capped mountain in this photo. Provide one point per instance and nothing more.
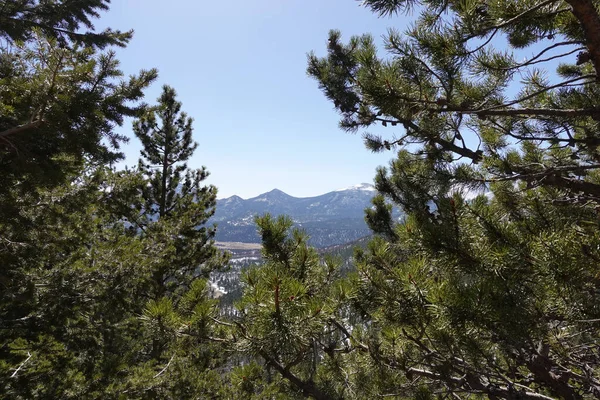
(332, 218)
(367, 187)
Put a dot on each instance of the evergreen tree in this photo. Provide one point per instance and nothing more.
(455, 87)
(73, 286)
(58, 109)
(176, 205)
(73, 280)
(290, 315)
(496, 296)
(62, 20)
(57, 105)
(170, 213)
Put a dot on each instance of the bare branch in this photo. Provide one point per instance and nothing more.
(14, 374)
(165, 368)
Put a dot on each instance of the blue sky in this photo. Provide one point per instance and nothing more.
(239, 70)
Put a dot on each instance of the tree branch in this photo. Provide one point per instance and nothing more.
(538, 92)
(14, 374)
(510, 21)
(348, 335)
(477, 384)
(533, 111)
(587, 14)
(308, 388)
(534, 60)
(21, 128)
(165, 368)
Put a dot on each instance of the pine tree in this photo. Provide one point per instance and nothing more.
(58, 109)
(454, 87)
(169, 213)
(61, 96)
(495, 296)
(73, 280)
(73, 285)
(62, 20)
(290, 314)
(175, 196)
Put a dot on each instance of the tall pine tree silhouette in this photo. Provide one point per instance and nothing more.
(176, 201)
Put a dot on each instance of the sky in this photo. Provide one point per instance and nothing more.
(239, 68)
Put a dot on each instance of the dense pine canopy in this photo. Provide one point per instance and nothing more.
(497, 295)
(488, 286)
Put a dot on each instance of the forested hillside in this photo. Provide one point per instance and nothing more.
(487, 287)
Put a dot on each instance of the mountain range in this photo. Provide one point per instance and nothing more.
(332, 218)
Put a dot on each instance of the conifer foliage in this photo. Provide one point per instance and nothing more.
(176, 205)
(460, 84)
(493, 296)
(68, 22)
(166, 148)
(59, 109)
(488, 287)
(98, 296)
(290, 309)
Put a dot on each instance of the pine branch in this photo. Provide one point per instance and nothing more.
(549, 112)
(541, 91)
(535, 59)
(587, 14)
(553, 177)
(21, 128)
(514, 19)
(308, 388)
(477, 384)
(360, 345)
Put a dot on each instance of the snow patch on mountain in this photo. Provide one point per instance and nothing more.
(361, 186)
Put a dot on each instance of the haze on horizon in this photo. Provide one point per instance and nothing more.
(240, 72)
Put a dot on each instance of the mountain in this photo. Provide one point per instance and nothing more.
(332, 218)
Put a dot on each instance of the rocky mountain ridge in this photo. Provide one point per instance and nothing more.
(332, 218)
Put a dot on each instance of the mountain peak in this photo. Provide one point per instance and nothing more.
(274, 195)
(276, 191)
(233, 199)
(331, 218)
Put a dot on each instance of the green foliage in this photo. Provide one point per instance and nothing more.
(481, 290)
(58, 108)
(73, 276)
(495, 296)
(166, 148)
(70, 287)
(175, 205)
(289, 311)
(62, 20)
(81, 315)
(104, 290)
(453, 86)
(78, 298)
